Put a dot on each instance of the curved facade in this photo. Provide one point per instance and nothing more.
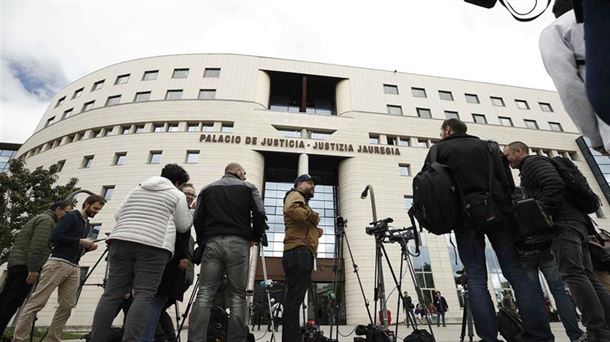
(348, 126)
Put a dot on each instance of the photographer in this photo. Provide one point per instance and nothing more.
(61, 271)
(408, 307)
(541, 181)
(300, 248)
(230, 218)
(141, 244)
(488, 212)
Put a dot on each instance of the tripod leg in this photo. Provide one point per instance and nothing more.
(267, 291)
(190, 304)
(177, 320)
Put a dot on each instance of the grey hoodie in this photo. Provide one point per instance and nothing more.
(152, 213)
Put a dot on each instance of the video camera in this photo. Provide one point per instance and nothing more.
(373, 333)
(382, 231)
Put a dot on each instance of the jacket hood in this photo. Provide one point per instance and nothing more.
(157, 183)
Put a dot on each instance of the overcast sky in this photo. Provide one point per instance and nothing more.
(47, 44)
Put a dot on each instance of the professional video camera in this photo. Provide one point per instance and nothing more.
(311, 333)
(373, 333)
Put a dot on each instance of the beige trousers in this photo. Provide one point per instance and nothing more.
(55, 274)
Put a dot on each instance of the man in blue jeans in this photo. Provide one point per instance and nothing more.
(468, 157)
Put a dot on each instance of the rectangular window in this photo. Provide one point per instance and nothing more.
(122, 79)
(532, 124)
(497, 101)
(142, 96)
(472, 98)
(98, 85)
(211, 72)
(60, 102)
(88, 106)
(158, 128)
(60, 165)
(125, 130)
(373, 139)
(140, 128)
(107, 191)
(87, 162)
(50, 121)
(408, 202)
(394, 110)
(555, 126)
(180, 73)
(445, 95)
(226, 127)
(113, 100)
(546, 107)
(155, 157)
(423, 143)
(120, 158)
(404, 141)
(390, 89)
(174, 94)
(150, 75)
(405, 170)
(317, 135)
(78, 93)
(418, 92)
(504, 121)
(67, 113)
(192, 127)
(290, 133)
(424, 113)
(173, 127)
(522, 104)
(479, 118)
(207, 94)
(192, 157)
(392, 140)
(451, 115)
(207, 127)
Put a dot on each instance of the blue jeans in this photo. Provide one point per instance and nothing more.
(152, 322)
(471, 246)
(222, 255)
(565, 307)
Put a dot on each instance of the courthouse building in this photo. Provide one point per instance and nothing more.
(348, 127)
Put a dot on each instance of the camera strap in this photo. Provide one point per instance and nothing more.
(523, 17)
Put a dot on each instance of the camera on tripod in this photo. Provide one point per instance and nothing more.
(373, 333)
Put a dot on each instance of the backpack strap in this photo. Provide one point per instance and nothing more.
(522, 16)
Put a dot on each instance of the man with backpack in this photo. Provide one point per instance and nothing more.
(542, 180)
(483, 186)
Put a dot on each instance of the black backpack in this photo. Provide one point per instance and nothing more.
(419, 335)
(437, 204)
(577, 189)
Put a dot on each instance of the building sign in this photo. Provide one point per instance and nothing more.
(298, 144)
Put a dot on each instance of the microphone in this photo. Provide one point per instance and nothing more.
(365, 192)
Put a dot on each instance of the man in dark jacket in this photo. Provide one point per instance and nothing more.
(29, 252)
(440, 303)
(230, 217)
(468, 158)
(541, 181)
(61, 271)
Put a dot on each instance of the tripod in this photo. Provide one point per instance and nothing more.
(466, 317)
(267, 293)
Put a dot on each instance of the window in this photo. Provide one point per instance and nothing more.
(373, 139)
(522, 104)
(451, 115)
(405, 170)
(60, 165)
(390, 89)
(87, 162)
(192, 157)
(107, 191)
(532, 124)
(78, 93)
(125, 130)
(394, 110)
(316, 135)
(479, 118)
(211, 72)
(504, 121)
(140, 128)
(445, 95)
(142, 96)
(404, 141)
(290, 133)
(207, 127)
(98, 85)
(50, 121)
(158, 128)
(207, 94)
(122, 79)
(96, 133)
(120, 158)
(155, 157)
(546, 107)
(180, 73)
(60, 102)
(422, 142)
(418, 92)
(150, 75)
(173, 127)
(93, 234)
(392, 140)
(67, 113)
(192, 127)
(472, 98)
(424, 113)
(113, 100)
(555, 126)
(226, 127)
(174, 94)
(88, 106)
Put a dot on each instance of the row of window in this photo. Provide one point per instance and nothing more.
(446, 95)
(148, 75)
(426, 113)
(303, 133)
(120, 158)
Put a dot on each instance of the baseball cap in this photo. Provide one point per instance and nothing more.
(303, 178)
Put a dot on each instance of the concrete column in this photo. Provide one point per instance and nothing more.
(303, 164)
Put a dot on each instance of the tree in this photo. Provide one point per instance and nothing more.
(25, 194)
